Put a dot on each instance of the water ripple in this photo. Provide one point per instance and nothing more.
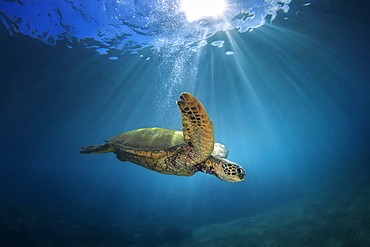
(130, 25)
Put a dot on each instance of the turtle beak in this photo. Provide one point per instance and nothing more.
(241, 173)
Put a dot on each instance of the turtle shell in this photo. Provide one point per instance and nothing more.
(148, 141)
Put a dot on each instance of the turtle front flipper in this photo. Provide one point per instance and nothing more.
(197, 127)
(96, 149)
(220, 151)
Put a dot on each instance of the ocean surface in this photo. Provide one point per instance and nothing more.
(285, 83)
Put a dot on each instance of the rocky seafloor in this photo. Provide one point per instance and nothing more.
(337, 215)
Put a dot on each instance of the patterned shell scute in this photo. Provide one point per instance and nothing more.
(148, 140)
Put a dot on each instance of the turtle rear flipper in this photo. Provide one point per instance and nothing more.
(96, 149)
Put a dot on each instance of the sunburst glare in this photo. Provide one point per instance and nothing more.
(198, 9)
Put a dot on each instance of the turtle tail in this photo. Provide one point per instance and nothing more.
(96, 149)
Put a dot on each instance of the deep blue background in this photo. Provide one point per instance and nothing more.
(292, 105)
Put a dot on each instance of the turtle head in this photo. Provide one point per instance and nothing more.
(230, 171)
(223, 169)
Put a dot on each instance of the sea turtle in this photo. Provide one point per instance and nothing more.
(175, 152)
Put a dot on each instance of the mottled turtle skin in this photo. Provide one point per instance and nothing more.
(175, 152)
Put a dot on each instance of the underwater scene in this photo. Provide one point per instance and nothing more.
(184, 123)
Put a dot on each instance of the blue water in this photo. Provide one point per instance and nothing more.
(292, 104)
